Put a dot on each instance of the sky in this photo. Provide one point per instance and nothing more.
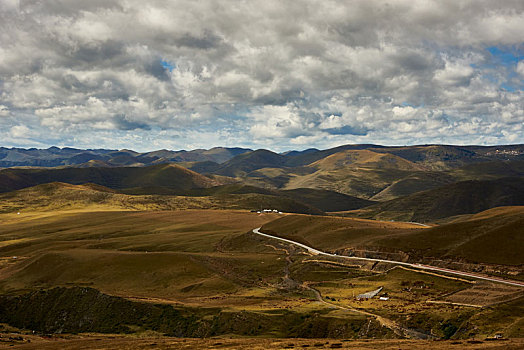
(282, 75)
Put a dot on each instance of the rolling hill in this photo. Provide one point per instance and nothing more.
(204, 273)
(330, 233)
(171, 176)
(366, 159)
(465, 197)
(371, 171)
(312, 155)
(494, 236)
(324, 200)
(248, 162)
(435, 157)
(63, 196)
(413, 183)
(57, 195)
(359, 173)
(340, 179)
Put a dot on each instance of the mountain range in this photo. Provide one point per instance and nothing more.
(410, 183)
(434, 156)
(54, 156)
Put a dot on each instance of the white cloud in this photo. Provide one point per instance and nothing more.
(4, 111)
(19, 131)
(520, 68)
(272, 73)
(275, 122)
(404, 112)
(454, 73)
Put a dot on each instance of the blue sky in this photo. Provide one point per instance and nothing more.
(506, 60)
(168, 65)
(272, 74)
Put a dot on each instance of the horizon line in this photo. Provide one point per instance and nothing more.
(258, 149)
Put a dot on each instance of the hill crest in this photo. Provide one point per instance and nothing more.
(364, 158)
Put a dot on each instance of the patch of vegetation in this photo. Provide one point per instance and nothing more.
(81, 310)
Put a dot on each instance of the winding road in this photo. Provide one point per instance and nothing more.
(417, 266)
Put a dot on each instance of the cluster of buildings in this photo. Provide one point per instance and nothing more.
(269, 211)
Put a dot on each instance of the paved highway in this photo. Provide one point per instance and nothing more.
(417, 266)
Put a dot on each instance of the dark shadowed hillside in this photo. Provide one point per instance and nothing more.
(464, 197)
(324, 200)
(494, 236)
(245, 163)
(170, 176)
(415, 182)
(327, 200)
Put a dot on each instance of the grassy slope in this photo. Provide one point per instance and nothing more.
(326, 200)
(364, 158)
(359, 173)
(164, 175)
(464, 197)
(322, 199)
(373, 176)
(359, 182)
(369, 173)
(436, 157)
(330, 233)
(494, 236)
(62, 196)
(422, 181)
(415, 182)
(247, 162)
(143, 254)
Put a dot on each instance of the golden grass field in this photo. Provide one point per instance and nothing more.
(134, 254)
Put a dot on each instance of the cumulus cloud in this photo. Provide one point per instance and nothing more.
(19, 131)
(4, 111)
(520, 68)
(145, 75)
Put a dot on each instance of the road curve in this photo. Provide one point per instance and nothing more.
(417, 266)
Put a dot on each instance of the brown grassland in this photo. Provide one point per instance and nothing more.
(210, 260)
